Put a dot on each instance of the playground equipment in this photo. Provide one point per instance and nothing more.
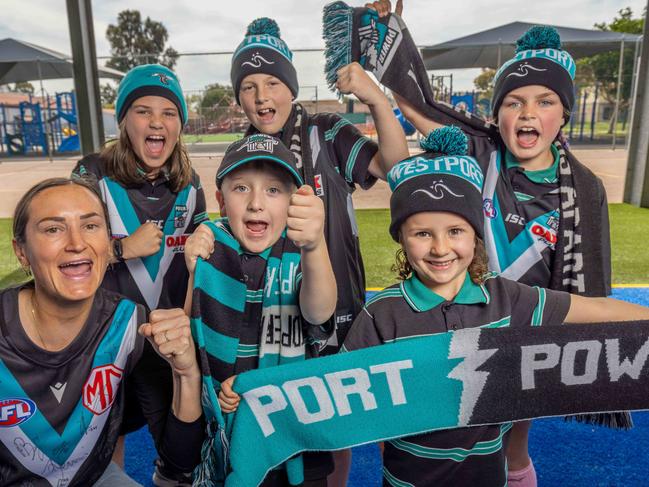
(39, 126)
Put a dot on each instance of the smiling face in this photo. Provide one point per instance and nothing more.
(66, 243)
(255, 198)
(153, 126)
(529, 120)
(266, 101)
(439, 246)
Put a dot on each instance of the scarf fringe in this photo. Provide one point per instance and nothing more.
(337, 33)
(211, 471)
(621, 420)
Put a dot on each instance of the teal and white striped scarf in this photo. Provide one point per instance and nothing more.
(450, 380)
(220, 304)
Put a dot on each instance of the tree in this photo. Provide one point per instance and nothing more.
(484, 82)
(108, 95)
(216, 97)
(133, 42)
(23, 87)
(603, 68)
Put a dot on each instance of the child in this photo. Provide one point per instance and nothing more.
(154, 198)
(436, 217)
(333, 157)
(268, 260)
(545, 214)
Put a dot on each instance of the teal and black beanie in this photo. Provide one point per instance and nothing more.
(539, 60)
(443, 178)
(263, 51)
(149, 80)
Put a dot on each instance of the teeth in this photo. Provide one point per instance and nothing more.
(156, 137)
(264, 111)
(527, 129)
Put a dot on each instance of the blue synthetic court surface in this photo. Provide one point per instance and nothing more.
(564, 454)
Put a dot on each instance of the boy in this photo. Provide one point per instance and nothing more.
(333, 156)
(266, 284)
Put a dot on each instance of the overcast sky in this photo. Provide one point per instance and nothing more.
(219, 25)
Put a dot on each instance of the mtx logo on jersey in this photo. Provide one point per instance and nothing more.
(100, 389)
(489, 208)
(180, 215)
(15, 411)
(176, 242)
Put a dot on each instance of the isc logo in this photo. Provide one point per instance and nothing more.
(15, 411)
(100, 389)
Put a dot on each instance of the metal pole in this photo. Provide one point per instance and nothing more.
(617, 94)
(86, 79)
(636, 185)
(634, 87)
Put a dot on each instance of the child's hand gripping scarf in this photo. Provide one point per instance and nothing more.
(384, 47)
(219, 300)
(450, 380)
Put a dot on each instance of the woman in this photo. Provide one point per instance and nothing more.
(66, 345)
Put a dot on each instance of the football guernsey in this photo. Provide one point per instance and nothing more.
(60, 412)
(466, 456)
(159, 280)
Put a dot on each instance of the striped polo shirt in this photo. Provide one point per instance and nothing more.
(465, 456)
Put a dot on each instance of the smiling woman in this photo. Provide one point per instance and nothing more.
(67, 346)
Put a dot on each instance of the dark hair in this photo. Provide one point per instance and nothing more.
(21, 213)
(478, 268)
(122, 163)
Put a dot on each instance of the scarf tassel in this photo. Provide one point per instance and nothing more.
(337, 33)
(621, 420)
(214, 454)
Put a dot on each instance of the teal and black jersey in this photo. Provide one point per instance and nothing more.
(524, 229)
(466, 456)
(61, 412)
(341, 156)
(159, 280)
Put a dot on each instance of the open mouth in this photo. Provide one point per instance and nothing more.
(527, 136)
(266, 114)
(155, 144)
(256, 227)
(77, 268)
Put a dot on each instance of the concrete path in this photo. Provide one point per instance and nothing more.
(17, 175)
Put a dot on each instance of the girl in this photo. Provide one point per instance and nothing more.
(436, 217)
(154, 197)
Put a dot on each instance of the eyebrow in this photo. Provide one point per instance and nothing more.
(85, 216)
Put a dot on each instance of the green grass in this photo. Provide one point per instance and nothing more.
(629, 235)
(191, 139)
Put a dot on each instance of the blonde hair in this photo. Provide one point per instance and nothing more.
(124, 166)
(478, 268)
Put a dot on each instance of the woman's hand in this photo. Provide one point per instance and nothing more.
(169, 332)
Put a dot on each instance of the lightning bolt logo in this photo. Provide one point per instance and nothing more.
(465, 345)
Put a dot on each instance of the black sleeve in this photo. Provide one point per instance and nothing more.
(606, 238)
(90, 167)
(352, 151)
(177, 442)
(363, 333)
(536, 306)
(200, 212)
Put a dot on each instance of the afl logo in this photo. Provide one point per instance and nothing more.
(15, 411)
(489, 208)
